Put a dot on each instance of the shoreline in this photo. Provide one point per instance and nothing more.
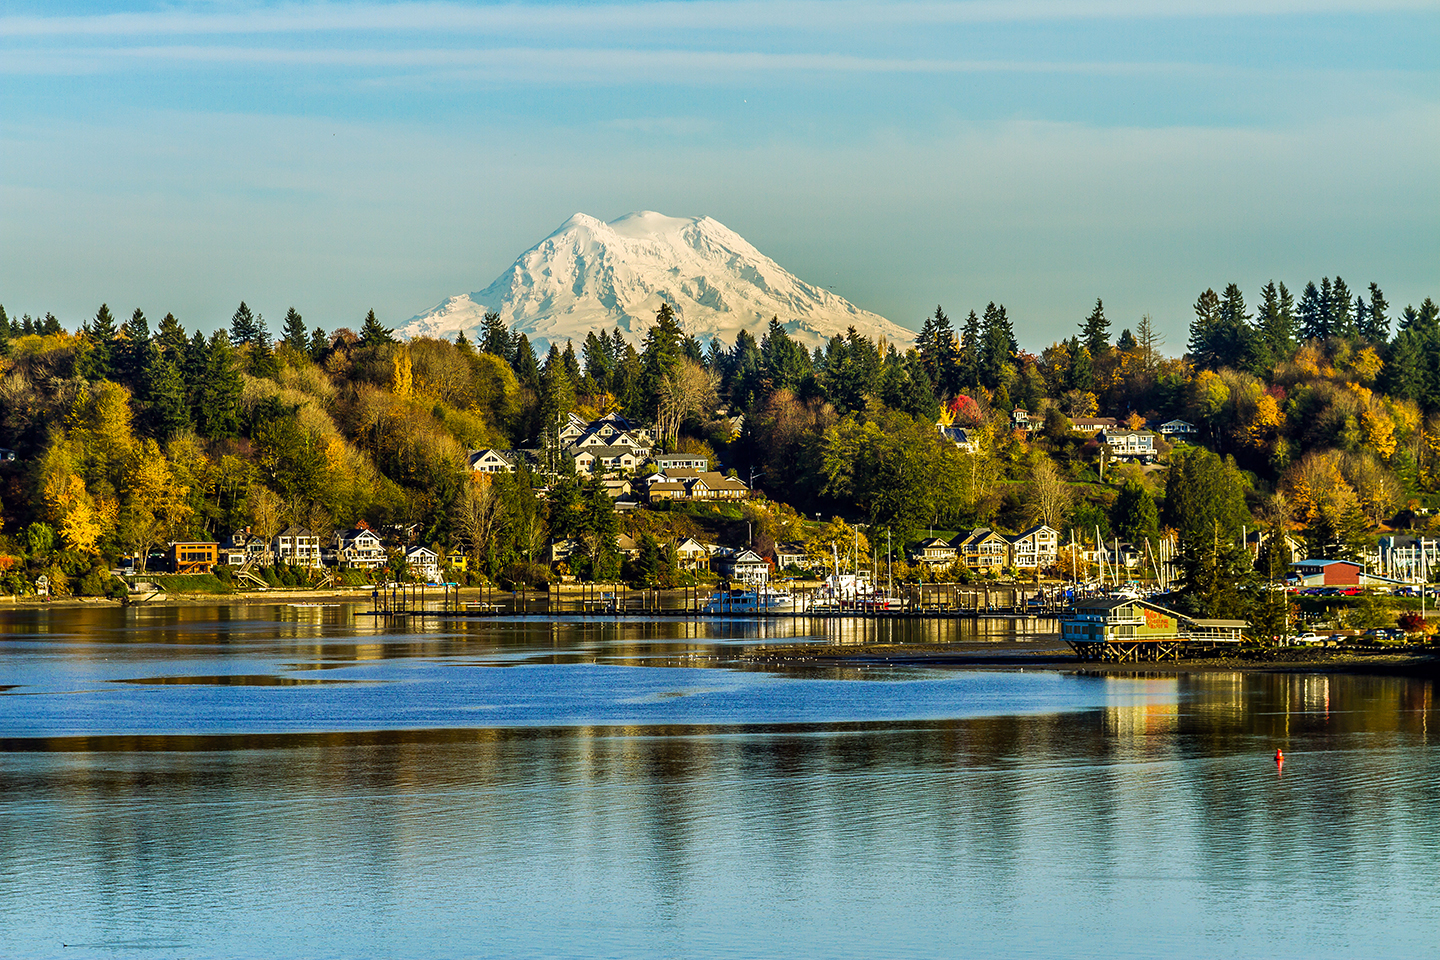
(1053, 655)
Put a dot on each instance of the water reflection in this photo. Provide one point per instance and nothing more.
(920, 813)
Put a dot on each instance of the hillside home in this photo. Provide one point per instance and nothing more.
(680, 461)
(491, 460)
(790, 555)
(1176, 430)
(1126, 444)
(1091, 425)
(961, 438)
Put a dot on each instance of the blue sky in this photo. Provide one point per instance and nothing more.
(182, 156)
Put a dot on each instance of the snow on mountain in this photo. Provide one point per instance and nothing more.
(591, 275)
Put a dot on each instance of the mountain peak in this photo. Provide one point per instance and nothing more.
(592, 275)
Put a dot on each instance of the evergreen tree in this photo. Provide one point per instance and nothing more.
(1275, 324)
(784, 363)
(374, 333)
(1095, 330)
(1126, 342)
(1313, 314)
(1342, 311)
(596, 354)
(167, 411)
(747, 372)
(27, 326)
(319, 345)
(243, 328)
(1148, 343)
(132, 352)
(100, 333)
(170, 337)
(662, 354)
(192, 370)
(1403, 376)
(601, 531)
(495, 338)
(1205, 503)
(5, 332)
(1206, 337)
(572, 364)
(50, 326)
(997, 347)
(294, 333)
(1081, 375)
(1237, 342)
(527, 371)
(1134, 516)
(1376, 326)
(218, 416)
(967, 360)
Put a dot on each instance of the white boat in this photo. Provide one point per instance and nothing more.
(752, 599)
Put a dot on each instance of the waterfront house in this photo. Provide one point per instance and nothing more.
(691, 554)
(933, 551)
(298, 547)
(424, 564)
(359, 549)
(790, 555)
(1036, 548)
(1111, 619)
(192, 556)
(745, 565)
(982, 549)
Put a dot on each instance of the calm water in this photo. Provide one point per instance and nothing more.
(303, 782)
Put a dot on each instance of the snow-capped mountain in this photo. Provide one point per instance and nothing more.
(591, 275)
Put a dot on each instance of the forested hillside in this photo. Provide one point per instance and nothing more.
(1310, 417)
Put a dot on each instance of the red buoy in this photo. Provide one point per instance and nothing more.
(1279, 757)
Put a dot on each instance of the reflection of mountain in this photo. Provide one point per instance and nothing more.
(590, 275)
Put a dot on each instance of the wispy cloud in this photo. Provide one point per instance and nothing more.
(562, 63)
(740, 15)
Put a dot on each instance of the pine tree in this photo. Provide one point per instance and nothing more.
(1095, 330)
(1126, 342)
(319, 345)
(596, 355)
(997, 347)
(1313, 315)
(1236, 344)
(220, 393)
(50, 325)
(1403, 377)
(1342, 311)
(495, 338)
(374, 333)
(1376, 328)
(100, 335)
(167, 411)
(27, 326)
(243, 328)
(967, 360)
(170, 337)
(294, 333)
(527, 371)
(1081, 375)
(572, 363)
(1206, 347)
(4, 332)
(1275, 323)
(132, 352)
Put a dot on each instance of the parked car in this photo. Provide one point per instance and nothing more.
(1308, 638)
